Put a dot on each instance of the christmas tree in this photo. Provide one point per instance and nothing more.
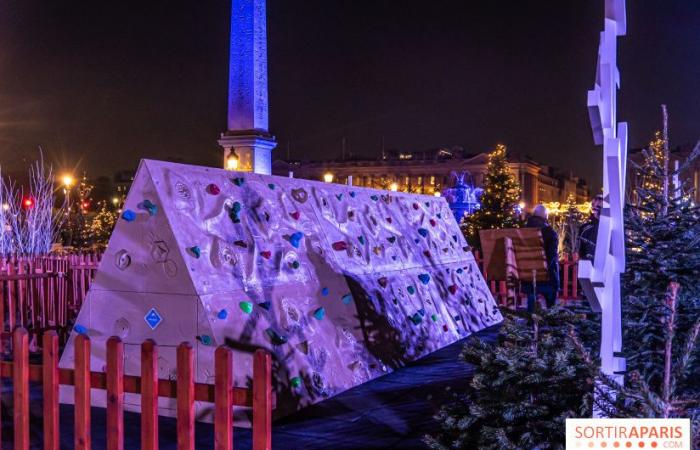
(101, 226)
(499, 200)
(571, 223)
(523, 388)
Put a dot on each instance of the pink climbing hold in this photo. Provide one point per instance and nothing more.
(213, 189)
(452, 288)
(340, 245)
(295, 215)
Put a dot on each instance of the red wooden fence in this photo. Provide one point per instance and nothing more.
(184, 389)
(44, 292)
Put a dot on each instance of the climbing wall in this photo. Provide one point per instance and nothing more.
(342, 284)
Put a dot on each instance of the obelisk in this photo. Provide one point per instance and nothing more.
(247, 142)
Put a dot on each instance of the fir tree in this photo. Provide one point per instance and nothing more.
(499, 200)
(101, 226)
(572, 220)
(523, 388)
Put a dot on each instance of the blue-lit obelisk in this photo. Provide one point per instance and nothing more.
(247, 142)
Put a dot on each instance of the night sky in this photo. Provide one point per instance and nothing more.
(101, 84)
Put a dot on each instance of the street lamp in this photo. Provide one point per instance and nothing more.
(115, 201)
(232, 161)
(328, 177)
(67, 180)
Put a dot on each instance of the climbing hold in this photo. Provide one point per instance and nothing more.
(352, 194)
(427, 204)
(415, 206)
(391, 239)
(411, 290)
(439, 216)
(247, 307)
(267, 254)
(205, 339)
(452, 288)
(295, 215)
(459, 270)
(374, 197)
(339, 196)
(421, 312)
(457, 318)
(388, 219)
(240, 244)
(394, 258)
(195, 251)
(320, 313)
(213, 189)
(223, 314)
(377, 250)
(340, 245)
(300, 195)
(432, 222)
(238, 181)
(396, 302)
(80, 329)
(433, 317)
(295, 239)
(236, 207)
(426, 253)
(445, 328)
(383, 282)
(295, 264)
(423, 232)
(347, 298)
(361, 239)
(324, 291)
(265, 305)
(303, 347)
(424, 278)
(271, 186)
(148, 206)
(129, 215)
(275, 337)
(454, 237)
(416, 318)
(295, 382)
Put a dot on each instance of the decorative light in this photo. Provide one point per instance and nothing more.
(115, 201)
(5, 206)
(232, 161)
(28, 202)
(328, 177)
(522, 205)
(436, 193)
(67, 180)
(394, 187)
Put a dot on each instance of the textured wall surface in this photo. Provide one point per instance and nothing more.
(342, 284)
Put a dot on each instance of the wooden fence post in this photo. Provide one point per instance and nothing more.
(149, 395)
(262, 400)
(82, 393)
(20, 377)
(115, 394)
(185, 397)
(50, 389)
(223, 395)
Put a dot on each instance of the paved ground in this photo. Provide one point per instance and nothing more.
(394, 411)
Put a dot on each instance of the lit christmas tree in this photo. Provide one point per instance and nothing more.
(499, 201)
(101, 225)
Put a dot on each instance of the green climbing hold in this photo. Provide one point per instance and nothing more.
(295, 382)
(247, 307)
(411, 290)
(320, 313)
(206, 340)
(434, 317)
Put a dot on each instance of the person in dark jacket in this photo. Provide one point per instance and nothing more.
(550, 287)
(588, 233)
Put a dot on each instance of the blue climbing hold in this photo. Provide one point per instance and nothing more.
(205, 339)
(80, 329)
(271, 186)
(352, 194)
(347, 298)
(411, 290)
(374, 197)
(324, 291)
(295, 239)
(148, 206)
(223, 314)
(423, 232)
(391, 239)
(320, 313)
(421, 312)
(195, 251)
(454, 237)
(238, 181)
(416, 319)
(361, 239)
(129, 215)
(459, 270)
(275, 337)
(339, 196)
(424, 278)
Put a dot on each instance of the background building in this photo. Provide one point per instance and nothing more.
(431, 171)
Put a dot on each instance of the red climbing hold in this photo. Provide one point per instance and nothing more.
(383, 282)
(388, 219)
(452, 289)
(340, 245)
(266, 254)
(295, 215)
(432, 222)
(213, 189)
(426, 253)
(445, 328)
(415, 206)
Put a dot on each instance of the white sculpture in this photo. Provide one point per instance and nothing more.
(601, 280)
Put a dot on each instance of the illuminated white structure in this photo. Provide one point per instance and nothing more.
(247, 142)
(601, 280)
